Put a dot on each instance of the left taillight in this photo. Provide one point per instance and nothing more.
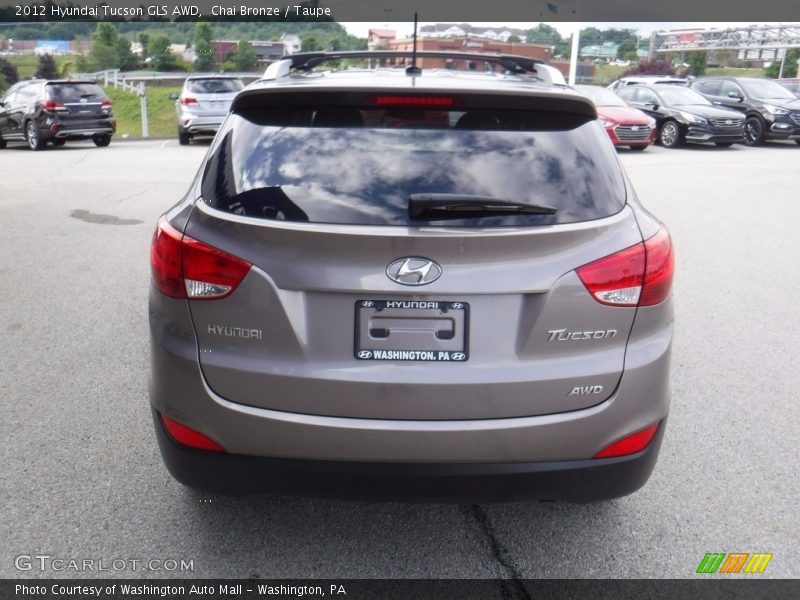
(183, 267)
(105, 106)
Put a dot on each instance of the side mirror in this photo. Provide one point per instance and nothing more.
(2, 104)
(652, 105)
(173, 96)
(735, 96)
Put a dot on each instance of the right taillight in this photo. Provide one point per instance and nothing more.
(183, 267)
(188, 100)
(640, 275)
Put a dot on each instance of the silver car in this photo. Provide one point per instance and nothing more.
(400, 284)
(203, 104)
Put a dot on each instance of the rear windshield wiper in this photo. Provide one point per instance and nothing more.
(465, 206)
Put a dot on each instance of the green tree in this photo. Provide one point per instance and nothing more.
(626, 47)
(47, 68)
(789, 67)
(122, 51)
(697, 63)
(3, 83)
(82, 63)
(9, 71)
(543, 34)
(103, 54)
(204, 47)
(160, 53)
(245, 57)
(310, 43)
(514, 39)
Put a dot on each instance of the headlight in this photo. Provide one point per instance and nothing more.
(606, 123)
(651, 123)
(693, 118)
(775, 110)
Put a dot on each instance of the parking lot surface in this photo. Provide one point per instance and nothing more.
(82, 477)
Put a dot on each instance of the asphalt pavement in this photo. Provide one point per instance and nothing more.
(82, 477)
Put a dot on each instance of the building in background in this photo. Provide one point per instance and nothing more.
(378, 39)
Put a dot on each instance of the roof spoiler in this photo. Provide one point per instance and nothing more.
(305, 61)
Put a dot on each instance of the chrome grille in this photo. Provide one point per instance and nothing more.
(627, 133)
(732, 122)
(795, 117)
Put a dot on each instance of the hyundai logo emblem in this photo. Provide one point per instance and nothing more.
(635, 128)
(365, 354)
(413, 270)
(458, 356)
(367, 303)
(728, 122)
(457, 305)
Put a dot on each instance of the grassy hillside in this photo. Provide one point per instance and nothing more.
(160, 111)
(28, 63)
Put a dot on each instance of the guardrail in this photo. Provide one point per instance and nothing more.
(113, 77)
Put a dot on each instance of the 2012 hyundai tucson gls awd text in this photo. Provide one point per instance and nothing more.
(405, 284)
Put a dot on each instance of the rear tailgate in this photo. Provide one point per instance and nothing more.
(318, 325)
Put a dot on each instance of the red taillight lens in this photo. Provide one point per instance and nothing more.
(53, 105)
(210, 274)
(637, 276)
(185, 268)
(430, 101)
(188, 100)
(105, 105)
(189, 437)
(165, 260)
(659, 268)
(616, 280)
(631, 444)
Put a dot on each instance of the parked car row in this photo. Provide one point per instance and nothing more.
(38, 111)
(721, 110)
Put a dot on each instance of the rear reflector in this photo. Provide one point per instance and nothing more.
(636, 442)
(432, 101)
(640, 275)
(186, 268)
(189, 437)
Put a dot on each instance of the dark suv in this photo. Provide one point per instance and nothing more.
(411, 282)
(771, 111)
(39, 111)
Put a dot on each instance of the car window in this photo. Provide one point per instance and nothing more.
(766, 89)
(728, 87)
(625, 93)
(71, 93)
(347, 165)
(674, 95)
(214, 86)
(600, 96)
(28, 93)
(712, 88)
(645, 96)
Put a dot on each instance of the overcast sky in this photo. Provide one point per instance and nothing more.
(406, 29)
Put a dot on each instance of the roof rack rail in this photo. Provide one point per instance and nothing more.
(305, 61)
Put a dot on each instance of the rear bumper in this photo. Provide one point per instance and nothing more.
(571, 480)
(197, 125)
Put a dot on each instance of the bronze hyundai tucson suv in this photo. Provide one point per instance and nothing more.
(394, 283)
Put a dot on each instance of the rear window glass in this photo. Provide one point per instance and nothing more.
(214, 86)
(75, 92)
(347, 165)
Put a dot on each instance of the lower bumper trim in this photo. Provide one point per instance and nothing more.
(574, 480)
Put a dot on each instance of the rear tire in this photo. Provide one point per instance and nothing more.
(59, 142)
(3, 143)
(183, 138)
(723, 144)
(101, 141)
(753, 131)
(638, 148)
(670, 134)
(33, 137)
